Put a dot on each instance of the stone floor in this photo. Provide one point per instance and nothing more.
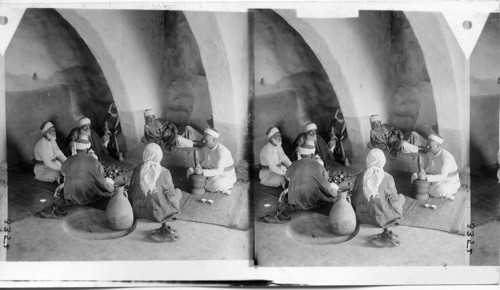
(37, 239)
(419, 247)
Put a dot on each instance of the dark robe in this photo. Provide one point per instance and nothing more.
(385, 210)
(309, 187)
(84, 182)
(95, 144)
(343, 146)
(321, 149)
(116, 139)
(160, 205)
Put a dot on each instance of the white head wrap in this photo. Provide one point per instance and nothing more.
(273, 131)
(84, 121)
(374, 118)
(374, 174)
(82, 144)
(310, 126)
(306, 149)
(47, 127)
(148, 113)
(436, 138)
(151, 169)
(211, 133)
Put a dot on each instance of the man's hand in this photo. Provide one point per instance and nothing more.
(198, 170)
(189, 171)
(422, 176)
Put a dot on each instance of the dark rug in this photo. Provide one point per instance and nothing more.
(28, 196)
(450, 215)
(485, 198)
(231, 211)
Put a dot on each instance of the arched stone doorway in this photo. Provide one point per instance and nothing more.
(357, 67)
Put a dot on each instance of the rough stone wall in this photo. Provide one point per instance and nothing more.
(485, 95)
(46, 52)
(285, 67)
(182, 82)
(410, 89)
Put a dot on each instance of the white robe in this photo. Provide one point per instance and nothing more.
(215, 163)
(275, 159)
(442, 173)
(48, 153)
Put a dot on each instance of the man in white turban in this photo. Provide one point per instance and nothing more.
(84, 182)
(273, 160)
(153, 195)
(216, 164)
(309, 187)
(441, 170)
(49, 158)
(392, 140)
(85, 132)
(163, 132)
(310, 135)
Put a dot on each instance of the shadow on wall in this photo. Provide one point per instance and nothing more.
(410, 89)
(24, 112)
(50, 75)
(276, 110)
(484, 129)
(183, 82)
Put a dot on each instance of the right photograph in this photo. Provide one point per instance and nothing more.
(361, 140)
(485, 154)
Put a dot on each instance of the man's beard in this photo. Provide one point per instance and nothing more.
(52, 137)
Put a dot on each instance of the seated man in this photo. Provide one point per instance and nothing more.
(339, 144)
(48, 156)
(310, 135)
(113, 138)
(309, 187)
(153, 128)
(163, 132)
(273, 161)
(441, 170)
(375, 198)
(95, 142)
(83, 182)
(217, 164)
(153, 195)
(188, 138)
(392, 140)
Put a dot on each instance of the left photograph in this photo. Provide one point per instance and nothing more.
(126, 136)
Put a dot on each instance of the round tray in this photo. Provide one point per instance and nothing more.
(90, 224)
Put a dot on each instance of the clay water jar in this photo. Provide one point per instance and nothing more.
(197, 184)
(119, 213)
(342, 218)
(421, 189)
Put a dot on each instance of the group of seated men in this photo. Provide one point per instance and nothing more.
(306, 181)
(152, 192)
